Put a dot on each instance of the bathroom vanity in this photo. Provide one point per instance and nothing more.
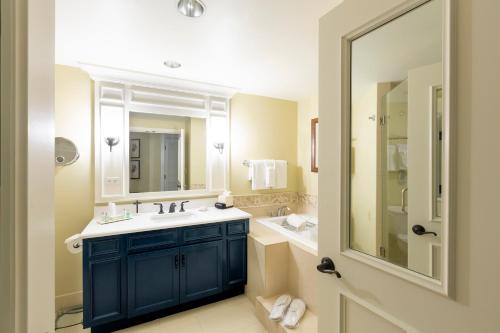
(152, 266)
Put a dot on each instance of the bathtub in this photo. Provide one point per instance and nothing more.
(306, 237)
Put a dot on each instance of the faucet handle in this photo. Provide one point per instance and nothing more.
(182, 206)
(161, 207)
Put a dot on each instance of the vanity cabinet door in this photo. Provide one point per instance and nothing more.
(153, 281)
(236, 260)
(201, 270)
(104, 289)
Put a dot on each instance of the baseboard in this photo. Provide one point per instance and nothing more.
(68, 300)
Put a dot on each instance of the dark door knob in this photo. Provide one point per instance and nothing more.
(328, 267)
(420, 230)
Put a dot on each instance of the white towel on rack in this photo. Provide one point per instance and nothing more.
(403, 156)
(281, 174)
(258, 174)
(270, 174)
(250, 170)
(392, 158)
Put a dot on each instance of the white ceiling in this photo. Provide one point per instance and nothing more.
(388, 53)
(264, 47)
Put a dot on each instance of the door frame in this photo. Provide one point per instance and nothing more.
(27, 252)
(445, 285)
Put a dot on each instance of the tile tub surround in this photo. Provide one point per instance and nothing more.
(268, 199)
(307, 203)
(265, 204)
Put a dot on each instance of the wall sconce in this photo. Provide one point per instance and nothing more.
(112, 141)
(219, 146)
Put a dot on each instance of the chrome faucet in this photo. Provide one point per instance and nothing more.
(282, 211)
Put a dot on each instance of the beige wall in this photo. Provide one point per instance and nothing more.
(307, 180)
(364, 172)
(262, 128)
(74, 184)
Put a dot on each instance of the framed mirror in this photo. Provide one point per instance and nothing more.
(154, 141)
(66, 152)
(166, 153)
(398, 143)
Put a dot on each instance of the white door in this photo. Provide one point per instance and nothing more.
(373, 295)
(423, 249)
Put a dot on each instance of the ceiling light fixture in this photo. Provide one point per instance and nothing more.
(171, 64)
(191, 8)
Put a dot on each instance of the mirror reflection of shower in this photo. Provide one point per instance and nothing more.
(394, 135)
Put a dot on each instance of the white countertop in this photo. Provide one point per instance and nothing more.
(144, 222)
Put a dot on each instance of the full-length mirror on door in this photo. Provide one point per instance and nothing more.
(397, 141)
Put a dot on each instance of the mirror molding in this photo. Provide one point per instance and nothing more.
(446, 284)
(117, 92)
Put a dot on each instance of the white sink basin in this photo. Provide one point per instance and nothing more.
(169, 216)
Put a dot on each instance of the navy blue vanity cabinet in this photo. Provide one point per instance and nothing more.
(153, 281)
(201, 270)
(236, 253)
(137, 277)
(104, 298)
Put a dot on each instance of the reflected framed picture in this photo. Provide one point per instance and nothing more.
(135, 169)
(135, 148)
(314, 144)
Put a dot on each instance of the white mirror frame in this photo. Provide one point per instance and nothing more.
(445, 285)
(121, 92)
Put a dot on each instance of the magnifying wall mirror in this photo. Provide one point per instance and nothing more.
(66, 152)
(397, 150)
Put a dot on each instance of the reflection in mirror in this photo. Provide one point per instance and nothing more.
(166, 153)
(396, 140)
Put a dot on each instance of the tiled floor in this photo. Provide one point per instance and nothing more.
(234, 315)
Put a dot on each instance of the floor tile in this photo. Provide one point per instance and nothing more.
(234, 315)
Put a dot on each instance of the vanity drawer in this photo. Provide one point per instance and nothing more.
(162, 238)
(105, 246)
(237, 227)
(202, 232)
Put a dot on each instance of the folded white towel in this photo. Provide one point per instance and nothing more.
(295, 221)
(279, 307)
(295, 313)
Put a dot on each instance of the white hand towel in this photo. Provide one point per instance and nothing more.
(281, 174)
(279, 307)
(259, 174)
(270, 174)
(403, 156)
(295, 221)
(294, 314)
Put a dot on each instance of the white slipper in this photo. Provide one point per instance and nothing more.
(280, 307)
(294, 314)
